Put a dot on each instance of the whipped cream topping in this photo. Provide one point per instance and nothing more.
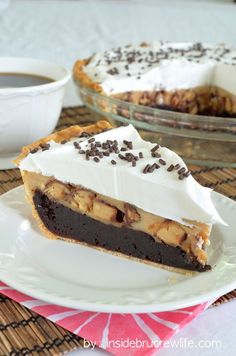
(160, 192)
(163, 66)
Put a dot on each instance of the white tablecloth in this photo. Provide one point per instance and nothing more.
(62, 31)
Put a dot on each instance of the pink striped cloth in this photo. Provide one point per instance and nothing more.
(120, 334)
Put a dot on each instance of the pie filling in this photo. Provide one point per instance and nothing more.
(75, 213)
(63, 221)
(199, 101)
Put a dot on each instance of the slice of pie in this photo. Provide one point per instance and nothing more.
(111, 190)
(194, 78)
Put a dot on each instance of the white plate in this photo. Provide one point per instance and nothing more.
(79, 277)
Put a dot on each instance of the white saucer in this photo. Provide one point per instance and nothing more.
(79, 277)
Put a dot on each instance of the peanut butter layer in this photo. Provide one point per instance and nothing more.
(191, 239)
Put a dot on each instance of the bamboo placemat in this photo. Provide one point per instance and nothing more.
(22, 332)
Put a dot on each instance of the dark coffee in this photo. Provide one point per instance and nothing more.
(22, 80)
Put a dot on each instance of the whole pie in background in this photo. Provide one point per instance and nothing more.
(193, 78)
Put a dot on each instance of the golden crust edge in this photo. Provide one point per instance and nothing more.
(61, 135)
(83, 78)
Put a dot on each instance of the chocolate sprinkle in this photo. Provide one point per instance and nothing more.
(45, 146)
(140, 154)
(76, 144)
(34, 150)
(152, 168)
(146, 168)
(121, 156)
(113, 162)
(170, 168)
(187, 174)
(113, 71)
(85, 134)
(96, 159)
(162, 161)
(156, 155)
(181, 170)
(106, 153)
(129, 144)
(155, 148)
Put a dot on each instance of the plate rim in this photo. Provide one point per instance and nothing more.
(115, 308)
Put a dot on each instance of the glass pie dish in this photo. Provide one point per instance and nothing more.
(198, 139)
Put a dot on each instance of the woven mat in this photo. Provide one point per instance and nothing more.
(22, 332)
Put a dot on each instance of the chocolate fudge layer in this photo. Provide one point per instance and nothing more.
(63, 221)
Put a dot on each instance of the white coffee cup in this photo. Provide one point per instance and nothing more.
(29, 113)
